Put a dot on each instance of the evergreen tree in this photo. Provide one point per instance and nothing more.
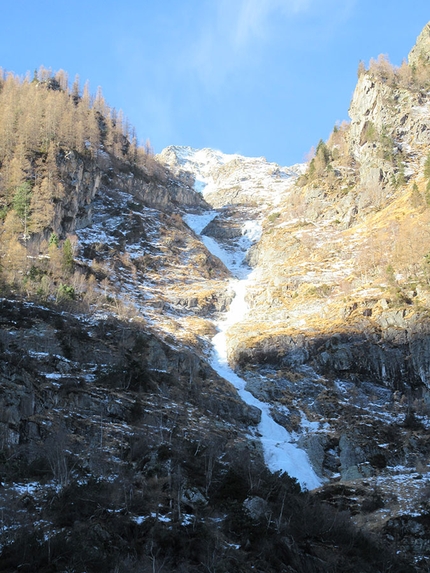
(68, 262)
(21, 204)
(323, 152)
(53, 240)
(427, 167)
(416, 197)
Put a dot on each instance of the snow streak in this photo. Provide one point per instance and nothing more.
(280, 453)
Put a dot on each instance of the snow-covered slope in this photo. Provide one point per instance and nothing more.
(231, 178)
(202, 163)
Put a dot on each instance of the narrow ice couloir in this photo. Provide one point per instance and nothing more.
(280, 453)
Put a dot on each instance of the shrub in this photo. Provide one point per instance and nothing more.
(372, 503)
(78, 502)
(273, 216)
(65, 292)
(411, 422)
(369, 133)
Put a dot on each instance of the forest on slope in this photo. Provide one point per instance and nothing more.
(58, 146)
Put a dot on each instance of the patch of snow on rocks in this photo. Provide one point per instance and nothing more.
(281, 453)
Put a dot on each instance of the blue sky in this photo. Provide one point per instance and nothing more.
(257, 77)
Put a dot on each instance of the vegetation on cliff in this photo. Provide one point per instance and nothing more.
(59, 147)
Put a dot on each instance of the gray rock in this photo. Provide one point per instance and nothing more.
(357, 472)
(314, 444)
(350, 456)
(256, 507)
(421, 50)
(193, 496)
(392, 318)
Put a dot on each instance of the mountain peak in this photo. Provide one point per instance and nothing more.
(231, 178)
(421, 50)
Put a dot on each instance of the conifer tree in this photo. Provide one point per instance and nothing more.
(361, 68)
(15, 259)
(99, 102)
(15, 171)
(76, 90)
(41, 207)
(21, 204)
(68, 261)
(63, 79)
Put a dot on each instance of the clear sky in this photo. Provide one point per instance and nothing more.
(257, 77)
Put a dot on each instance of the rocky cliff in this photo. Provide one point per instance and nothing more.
(85, 178)
(389, 130)
(421, 51)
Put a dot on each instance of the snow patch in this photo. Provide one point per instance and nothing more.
(198, 222)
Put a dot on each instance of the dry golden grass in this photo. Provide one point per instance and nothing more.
(198, 326)
(318, 279)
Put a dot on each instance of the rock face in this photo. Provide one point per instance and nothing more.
(84, 179)
(69, 364)
(386, 121)
(421, 51)
(396, 356)
(167, 196)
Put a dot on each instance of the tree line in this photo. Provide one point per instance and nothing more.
(42, 118)
(43, 123)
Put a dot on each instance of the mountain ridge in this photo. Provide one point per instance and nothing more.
(221, 177)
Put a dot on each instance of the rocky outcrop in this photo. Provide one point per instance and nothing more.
(82, 180)
(420, 53)
(386, 121)
(204, 304)
(56, 363)
(411, 533)
(166, 197)
(223, 228)
(396, 355)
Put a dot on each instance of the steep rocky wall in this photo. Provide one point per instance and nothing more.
(395, 352)
(84, 178)
(54, 366)
(397, 356)
(167, 197)
(421, 50)
(381, 109)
